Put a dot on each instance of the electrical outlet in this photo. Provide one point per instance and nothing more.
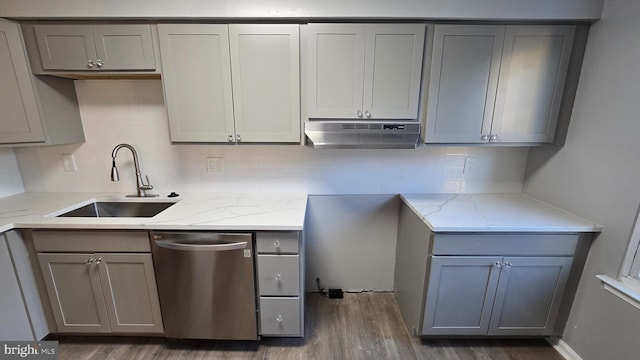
(214, 165)
(69, 162)
(471, 163)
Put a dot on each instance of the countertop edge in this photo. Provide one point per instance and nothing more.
(582, 228)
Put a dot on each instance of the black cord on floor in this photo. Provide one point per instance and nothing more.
(321, 289)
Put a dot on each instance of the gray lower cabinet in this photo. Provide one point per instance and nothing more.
(280, 274)
(99, 292)
(491, 284)
(479, 295)
(22, 317)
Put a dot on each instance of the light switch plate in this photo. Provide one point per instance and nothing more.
(214, 165)
(69, 162)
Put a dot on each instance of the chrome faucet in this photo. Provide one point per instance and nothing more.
(142, 187)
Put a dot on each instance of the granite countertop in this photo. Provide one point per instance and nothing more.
(194, 211)
(493, 213)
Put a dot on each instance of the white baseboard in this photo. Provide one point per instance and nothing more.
(563, 348)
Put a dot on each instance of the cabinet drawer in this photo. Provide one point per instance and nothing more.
(505, 244)
(91, 241)
(278, 275)
(277, 242)
(280, 316)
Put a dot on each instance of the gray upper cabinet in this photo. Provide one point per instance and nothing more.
(231, 83)
(95, 47)
(197, 81)
(265, 67)
(33, 110)
(362, 71)
(498, 84)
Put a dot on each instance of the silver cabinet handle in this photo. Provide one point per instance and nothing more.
(493, 137)
(485, 137)
(99, 63)
(200, 247)
(278, 277)
(90, 261)
(230, 137)
(507, 264)
(98, 260)
(91, 64)
(367, 114)
(276, 243)
(498, 264)
(238, 137)
(279, 318)
(359, 113)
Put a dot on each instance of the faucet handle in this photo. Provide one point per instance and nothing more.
(148, 185)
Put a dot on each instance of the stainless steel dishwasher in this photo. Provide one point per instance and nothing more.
(206, 284)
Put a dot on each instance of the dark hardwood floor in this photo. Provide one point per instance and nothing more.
(360, 326)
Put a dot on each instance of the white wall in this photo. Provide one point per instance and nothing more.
(132, 111)
(440, 9)
(10, 180)
(597, 175)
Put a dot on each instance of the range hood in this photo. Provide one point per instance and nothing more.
(362, 134)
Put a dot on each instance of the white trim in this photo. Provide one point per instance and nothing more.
(632, 248)
(563, 348)
(627, 289)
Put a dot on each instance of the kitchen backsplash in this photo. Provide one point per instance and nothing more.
(132, 111)
(10, 180)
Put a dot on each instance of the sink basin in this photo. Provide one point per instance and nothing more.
(118, 209)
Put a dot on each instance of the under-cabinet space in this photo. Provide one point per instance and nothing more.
(497, 83)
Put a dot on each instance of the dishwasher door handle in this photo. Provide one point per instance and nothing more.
(201, 247)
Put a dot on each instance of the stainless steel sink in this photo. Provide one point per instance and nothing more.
(118, 209)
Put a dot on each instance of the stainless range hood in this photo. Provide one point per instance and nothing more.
(362, 135)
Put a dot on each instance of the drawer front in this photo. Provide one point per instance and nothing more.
(280, 316)
(505, 244)
(277, 242)
(91, 241)
(278, 275)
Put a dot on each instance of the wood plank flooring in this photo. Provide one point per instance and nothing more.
(360, 326)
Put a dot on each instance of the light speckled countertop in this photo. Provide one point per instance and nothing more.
(196, 211)
(494, 213)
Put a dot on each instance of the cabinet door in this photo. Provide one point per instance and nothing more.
(532, 75)
(463, 83)
(74, 291)
(265, 63)
(14, 319)
(529, 294)
(334, 70)
(19, 116)
(131, 296)
(393, 70)
(66, 47)
(460, 295)
(196, 75)
(124, 47)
